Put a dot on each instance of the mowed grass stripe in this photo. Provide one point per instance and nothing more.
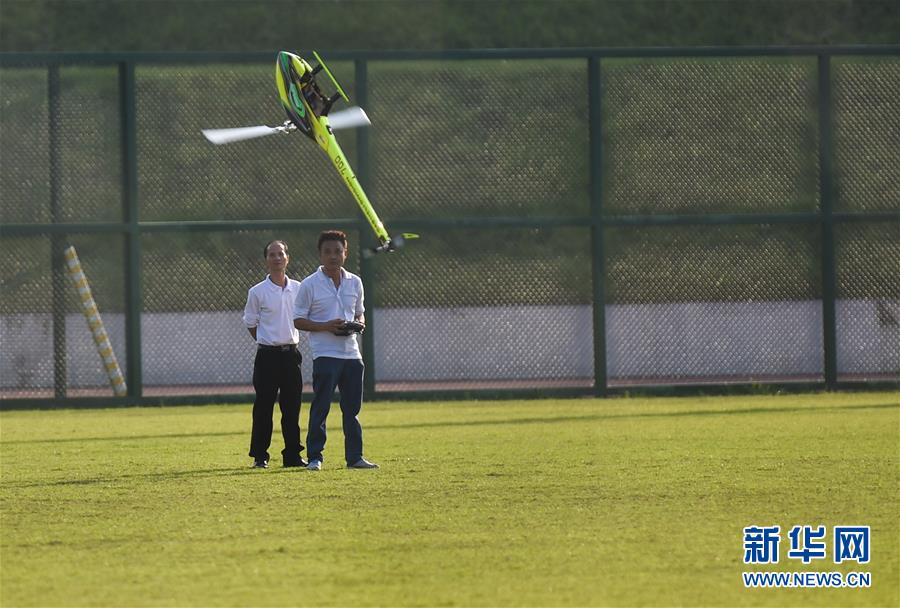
(544, 502)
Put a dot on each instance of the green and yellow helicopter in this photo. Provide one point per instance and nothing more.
(309, 111)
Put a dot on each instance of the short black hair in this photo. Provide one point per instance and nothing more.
(332, 235)
(270, 243)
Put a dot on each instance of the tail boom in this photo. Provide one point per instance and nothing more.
(346, 172)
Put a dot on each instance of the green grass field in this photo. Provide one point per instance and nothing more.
(537, 503)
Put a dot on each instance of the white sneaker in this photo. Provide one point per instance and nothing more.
(314, 465)
(362, 463)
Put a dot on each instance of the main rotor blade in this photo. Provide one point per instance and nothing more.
(349, 118)
(226, 136)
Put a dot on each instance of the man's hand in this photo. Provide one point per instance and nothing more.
(335, 326)
(348, 328)
(354, 327)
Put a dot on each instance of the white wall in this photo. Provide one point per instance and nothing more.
(677, 341)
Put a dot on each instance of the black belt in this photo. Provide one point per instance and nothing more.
(280, 347)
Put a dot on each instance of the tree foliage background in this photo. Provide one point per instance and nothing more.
(242, 25)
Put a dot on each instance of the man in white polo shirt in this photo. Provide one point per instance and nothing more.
(268, 316)
(326, 301)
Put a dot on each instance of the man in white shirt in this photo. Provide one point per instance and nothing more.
(326, 301)
(268, 316)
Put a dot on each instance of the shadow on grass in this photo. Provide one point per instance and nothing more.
(549, 419)
(682, 414)
(156, 476)
(232, 471)
(130, 437)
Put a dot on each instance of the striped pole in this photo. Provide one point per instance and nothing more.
(89, 307)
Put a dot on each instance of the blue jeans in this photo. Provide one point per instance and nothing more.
(347, 375)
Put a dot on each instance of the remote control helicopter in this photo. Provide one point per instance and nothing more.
(308, 111)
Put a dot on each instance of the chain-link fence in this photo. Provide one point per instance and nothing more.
(590, 220)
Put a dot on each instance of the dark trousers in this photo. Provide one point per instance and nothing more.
(276, 374)
(347, 375)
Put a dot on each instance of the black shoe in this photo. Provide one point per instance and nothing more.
(296, 463)
(259, 463)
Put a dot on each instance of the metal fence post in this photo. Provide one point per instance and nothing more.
(130, 217)
(829, 321)
(57, 241)
(597, 255)
(366, 265)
